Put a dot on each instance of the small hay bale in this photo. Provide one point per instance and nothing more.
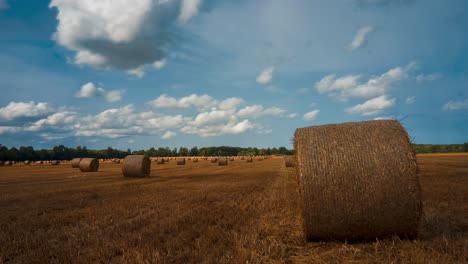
(289, 161)
(231, 159)
(160, 161)
(249, 159)
(89, 165)
(27, 162)
(260, 159)
(181, 161)
(136, 166)
(242, 158)
(8, 163)
(75, 163)
(222, 161)
(358, 181)
(39, 162)
(116, 161)
(195, 160)
(214, 160)
(54, 162)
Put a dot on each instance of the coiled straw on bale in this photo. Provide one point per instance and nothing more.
(358, 181)
(222, 161)
(136, 166)
(75, 163)
(181, 161)
(89, 165)
(289, 161)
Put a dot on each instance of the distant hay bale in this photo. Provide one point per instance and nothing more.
(39, 162)
(289, 161)
(358, 181)
(160, 161)
(222, 161)
(136, 166)
(260, 159)
(181, 161)
(195, 160)
(231, 159)
(242, 158)
(27, 162)
(8, 163)
(75, 163)
(89, 165)
(116, 161)
(214, 160)
(249, 159)
(54, 162)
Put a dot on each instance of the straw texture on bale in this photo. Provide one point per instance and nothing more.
(136, 166)
(222, 161)
(181, 161)
(75, 163)
(89, 165)
(249, 159)
(289, 161)
(358, 181)
(54, 162)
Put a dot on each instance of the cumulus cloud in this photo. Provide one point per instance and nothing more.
(4, 5)
(194, 100)
(264, 78)
(456, 105)
(134, 36)
(189, 9)
(373, 106)
(231, 103)
(343, 88)
(24, 109)
(168, 135)
(361, 36)
(428, 77)
(410, 100)
(293, 115)
(89, 90)
(385, 118)
(256, 111)
(311, 116)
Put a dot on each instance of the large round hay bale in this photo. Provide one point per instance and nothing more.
(89, 165)
(358, 181)
(136, 166)
(181, 161)
(249, 159)
(75, 163)
(289, 161)
(54, 162)
(222, 161)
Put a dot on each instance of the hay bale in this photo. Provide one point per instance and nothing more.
(160, 161)
(116, 161)
(8, 163)
(136, 166)
(214, 160)
(249, 159)
(39, 162)
(195, 160)
(89, 165)
(181, 161)
(358, 181)
(222, 161)
(260, 159)
(231, 159)
(242, 158)
(75, 163)
(289, 161)
(54, 162)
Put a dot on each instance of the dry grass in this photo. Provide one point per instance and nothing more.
(204, 213)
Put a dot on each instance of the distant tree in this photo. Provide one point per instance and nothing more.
(193, 151)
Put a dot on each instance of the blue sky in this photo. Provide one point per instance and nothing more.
(138, 74)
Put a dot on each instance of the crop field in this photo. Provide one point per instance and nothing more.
(205, 213)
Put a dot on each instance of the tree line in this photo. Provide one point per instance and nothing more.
(61, 152)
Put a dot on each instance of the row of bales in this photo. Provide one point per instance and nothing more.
(28, 162)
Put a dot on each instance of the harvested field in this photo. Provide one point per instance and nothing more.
(204, 213)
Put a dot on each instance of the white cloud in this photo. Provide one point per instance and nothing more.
(265, 76)
(361, 36)
(456, 105)
(160, 64)
(311, 116)
(256, 111)
(385, 118)
(194, 100)
(293, 115)
(168, 135)
(349, 86)
(373, 106)
(189, 9)
(428, 77)
(89, 90)
(133, 36)
(4, 5)
(410, 100)
(24, 109)
(231, 103)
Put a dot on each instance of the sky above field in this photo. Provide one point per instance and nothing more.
(150, 73)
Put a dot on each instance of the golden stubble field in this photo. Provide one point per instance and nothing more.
(204, 213)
